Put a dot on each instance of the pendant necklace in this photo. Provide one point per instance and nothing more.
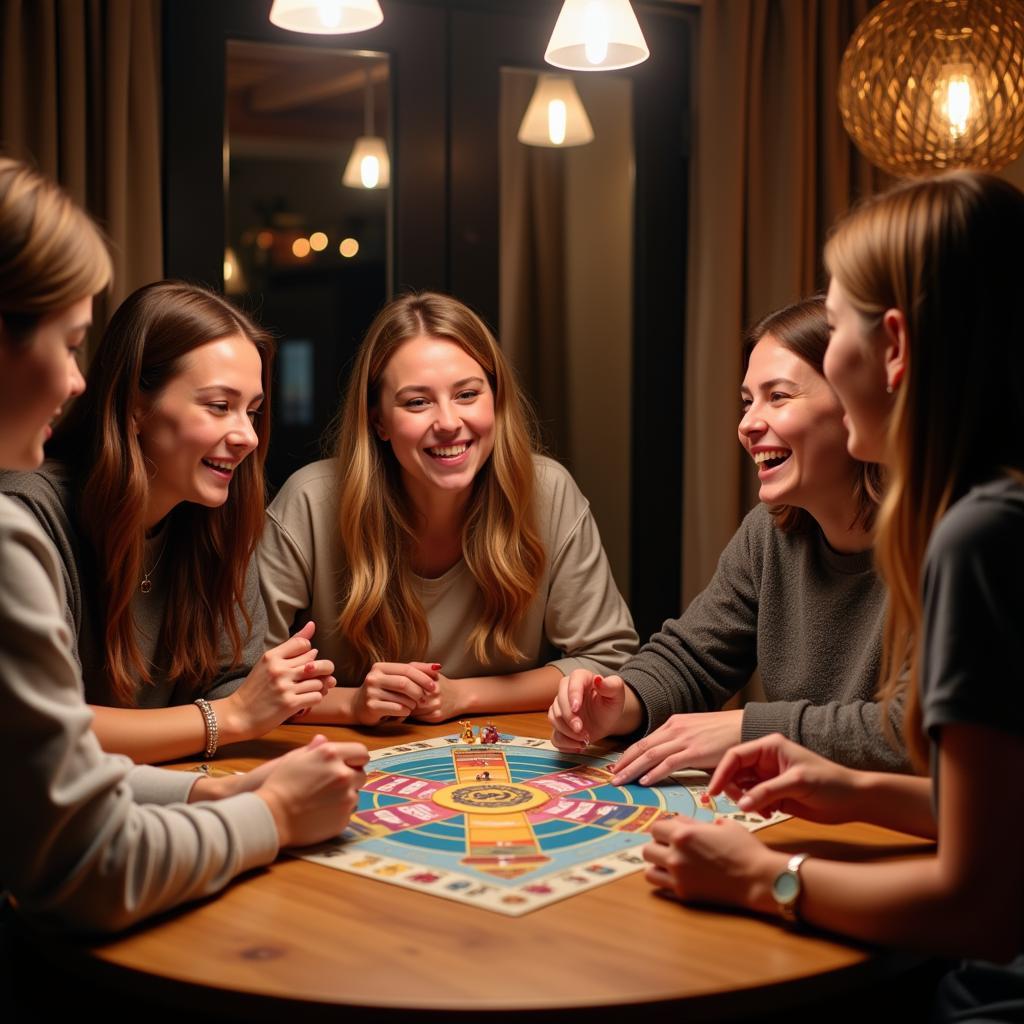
(146, 585)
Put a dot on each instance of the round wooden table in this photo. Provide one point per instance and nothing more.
(300, 940)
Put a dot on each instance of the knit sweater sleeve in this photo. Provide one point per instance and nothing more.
(82, 852)
(699, 660)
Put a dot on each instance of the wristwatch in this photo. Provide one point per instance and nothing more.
(786, 888)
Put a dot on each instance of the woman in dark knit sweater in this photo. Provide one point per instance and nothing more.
(795, 595)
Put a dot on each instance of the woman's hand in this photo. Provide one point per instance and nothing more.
(685, 741)
(394, 690)
(288, 680)
(775, 774)
(586, 708)
(712, 863)
(443, 704)
(312, 791)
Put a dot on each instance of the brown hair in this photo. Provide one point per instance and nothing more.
(208, 550)
(381, 617)
(802, 328)
(945, 252)
(51, 253)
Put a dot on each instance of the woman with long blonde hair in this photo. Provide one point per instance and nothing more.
(453, 570)
(154, 498)
(927, 357)
(85, 844)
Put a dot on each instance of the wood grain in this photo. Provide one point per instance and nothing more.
(310, 936)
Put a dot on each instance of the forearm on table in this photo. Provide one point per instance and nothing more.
(533, 690)
(151, 735)
(336, 708)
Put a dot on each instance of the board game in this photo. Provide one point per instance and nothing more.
(510, 826)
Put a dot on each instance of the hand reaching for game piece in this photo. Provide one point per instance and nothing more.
(441, 705)
(312, 791)
(287, 681)
(775, 774)
(712, 863)
(394, 690)
(586, 708)
(685, 741)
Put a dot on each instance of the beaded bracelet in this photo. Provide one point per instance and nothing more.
(210, 719)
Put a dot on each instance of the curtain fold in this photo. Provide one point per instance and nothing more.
(80, 98)
(773, 169)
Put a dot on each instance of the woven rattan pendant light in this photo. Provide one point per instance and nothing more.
(932, 84)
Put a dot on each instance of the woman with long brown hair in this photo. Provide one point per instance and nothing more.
(452, 569)
(85, 844)
(807, 545)
(927, 357)
(154, 499)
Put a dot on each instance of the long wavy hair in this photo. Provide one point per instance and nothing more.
(381, 617)
(51, 253)
(946, 253)
(802, 328)
(207, 550)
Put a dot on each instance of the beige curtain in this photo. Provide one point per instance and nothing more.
(773, 169)
(532, 295)
(80, 98)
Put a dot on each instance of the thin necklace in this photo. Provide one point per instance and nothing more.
(146, 586)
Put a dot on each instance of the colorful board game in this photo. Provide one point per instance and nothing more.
(509, 826)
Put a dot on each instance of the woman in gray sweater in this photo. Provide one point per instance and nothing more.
(85, 844)
(795, 596)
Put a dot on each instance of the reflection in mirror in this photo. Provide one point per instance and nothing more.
(305, 252)
(567, 290)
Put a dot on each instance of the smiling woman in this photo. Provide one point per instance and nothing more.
(795, 595)
(155, 503)
(462, 572)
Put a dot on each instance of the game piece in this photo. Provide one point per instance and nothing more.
(490, 734)
(510, 827)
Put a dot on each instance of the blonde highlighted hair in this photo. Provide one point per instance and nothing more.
(51, 253)
(945, 252)
(381, 617)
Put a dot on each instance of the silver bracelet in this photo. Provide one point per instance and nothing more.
(210, 720)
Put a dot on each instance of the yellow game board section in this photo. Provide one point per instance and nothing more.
(499, 838)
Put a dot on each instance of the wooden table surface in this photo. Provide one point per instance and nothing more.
(302, 938)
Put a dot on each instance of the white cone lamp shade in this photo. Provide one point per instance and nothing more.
(596, 35)
(556, 116)
(326, 17)
(368, 166)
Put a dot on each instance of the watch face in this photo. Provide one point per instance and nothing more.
(786, 887)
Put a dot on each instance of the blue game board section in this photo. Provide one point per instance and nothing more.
(441, 845)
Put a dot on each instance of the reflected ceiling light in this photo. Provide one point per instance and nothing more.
(368, 166)
(596, 35)
(925, 86)
(556, 116)
(326, 17)
(234, 281)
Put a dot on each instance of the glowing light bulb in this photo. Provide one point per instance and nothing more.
(318, 241)
(596, 30)
(228, 270)
(558, 118)
(329, 12)
(958, 104)
(300, 247)
(348, 248)
(369, 171)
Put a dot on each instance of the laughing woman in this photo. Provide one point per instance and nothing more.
(451, 568)
(927, 357)
(795, 595)
(81, 848)
(155, 503)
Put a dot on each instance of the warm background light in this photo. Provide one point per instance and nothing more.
(300, 247)
(348, 248)
(265, 239)
(318, 241)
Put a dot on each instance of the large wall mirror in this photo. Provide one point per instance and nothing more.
(308, 207)
(566, 284)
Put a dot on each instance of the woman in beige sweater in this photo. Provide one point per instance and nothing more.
(449, 567)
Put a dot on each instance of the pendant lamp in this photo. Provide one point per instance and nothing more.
(596, 35)
(555, 116)
(368, 166)
(326, 17)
